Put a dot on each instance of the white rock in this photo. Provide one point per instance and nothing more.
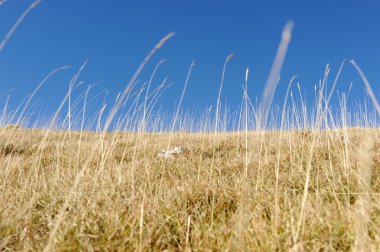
(169, 154)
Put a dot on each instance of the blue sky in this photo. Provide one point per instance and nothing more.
(114, 36)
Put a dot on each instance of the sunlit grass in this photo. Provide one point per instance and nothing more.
(261, 178)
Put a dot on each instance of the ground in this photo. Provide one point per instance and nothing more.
(251, 191)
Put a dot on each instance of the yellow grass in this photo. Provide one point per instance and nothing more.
(249, 190)
(130, 199)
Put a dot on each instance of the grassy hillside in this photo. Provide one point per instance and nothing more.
(297, 190)
(247, 190)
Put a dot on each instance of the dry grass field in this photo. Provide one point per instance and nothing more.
(264, 191)
(253, 179)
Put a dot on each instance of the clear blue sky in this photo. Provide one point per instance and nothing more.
(115, 36)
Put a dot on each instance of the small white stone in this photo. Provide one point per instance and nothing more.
(170, 153)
